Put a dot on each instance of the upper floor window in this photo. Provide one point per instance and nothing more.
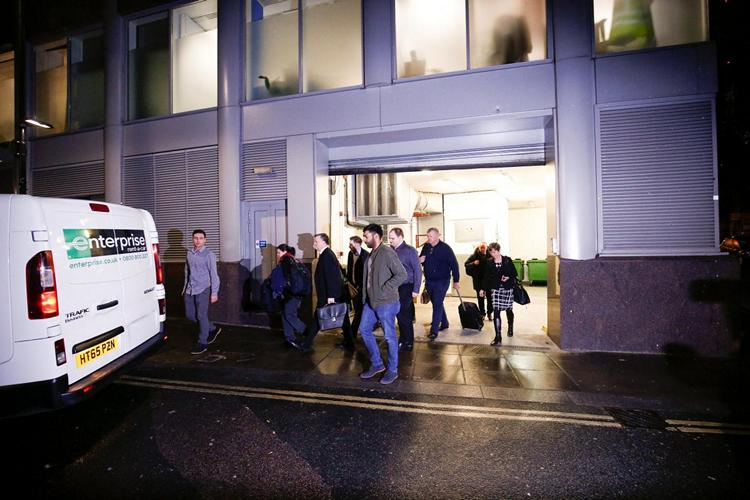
(172, 61)
(7, 109)
(621, 25)
(69, 83)
(322, 43)
(434, 36)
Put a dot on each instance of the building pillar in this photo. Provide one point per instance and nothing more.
(230, 126)
(378, 42)
(114, 32)
(576, 97)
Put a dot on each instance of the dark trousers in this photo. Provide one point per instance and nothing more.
(480, 302)
(314, 327)
(405, 316)
(358, 306)
(437, 291)
(289, 318)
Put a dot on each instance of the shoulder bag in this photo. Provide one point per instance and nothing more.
(520, 294)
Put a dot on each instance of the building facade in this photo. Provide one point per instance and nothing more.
(239, 117)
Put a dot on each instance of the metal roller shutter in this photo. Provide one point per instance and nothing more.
(85, 180)
(258, 185)
(657, 180)
(181, 190)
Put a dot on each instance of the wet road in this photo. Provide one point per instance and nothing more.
(170, 432)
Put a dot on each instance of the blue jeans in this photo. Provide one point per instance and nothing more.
(437, 291)
(386, 314)
(289, 318)
(196, 310)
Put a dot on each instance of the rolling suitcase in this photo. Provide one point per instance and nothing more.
(470, 316)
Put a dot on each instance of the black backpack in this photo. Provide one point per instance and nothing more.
(299, 280)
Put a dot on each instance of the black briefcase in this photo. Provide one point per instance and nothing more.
(332, 316)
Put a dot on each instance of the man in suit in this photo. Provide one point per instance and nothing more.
(355, 265)
(328, 286)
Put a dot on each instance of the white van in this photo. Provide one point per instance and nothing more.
(81, 297)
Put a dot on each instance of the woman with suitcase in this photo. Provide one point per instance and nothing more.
(499, 278)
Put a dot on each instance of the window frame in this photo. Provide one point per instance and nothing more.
(154, 13)
(246, 100)
(394, 48)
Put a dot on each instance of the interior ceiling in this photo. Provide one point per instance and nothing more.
(523, 187)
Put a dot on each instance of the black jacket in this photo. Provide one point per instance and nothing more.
(328, 278)
(476, 271)
(492, 274)
(354, 272)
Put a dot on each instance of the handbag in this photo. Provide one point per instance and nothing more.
(332, 316)
(424, 297)
(520, 294)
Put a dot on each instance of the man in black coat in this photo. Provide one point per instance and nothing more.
(355, 266)
(328, 286)
(475, 266)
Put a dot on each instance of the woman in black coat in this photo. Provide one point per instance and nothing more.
(499, 279)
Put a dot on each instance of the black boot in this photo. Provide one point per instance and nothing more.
(510, 315)
(498, 326)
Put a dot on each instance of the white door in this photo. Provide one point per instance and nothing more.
(265, 223)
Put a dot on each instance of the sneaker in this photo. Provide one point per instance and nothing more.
(199, 349)
(388, 378)
(212, 335)
(371, 372)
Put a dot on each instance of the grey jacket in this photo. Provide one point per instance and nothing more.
(387, 274)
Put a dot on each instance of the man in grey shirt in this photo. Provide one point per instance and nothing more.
(201, 287)
(409, 290)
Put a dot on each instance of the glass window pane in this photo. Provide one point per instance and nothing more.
(506, 31)
(7, 102)
(194, 56)
(639, 24)
(331, 44)
(272, 48)
(430, 37)
(86, 81)
(148, 62)
(51, 85)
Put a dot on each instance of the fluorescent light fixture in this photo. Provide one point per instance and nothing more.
(38, 123)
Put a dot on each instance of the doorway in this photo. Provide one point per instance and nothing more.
(265, 227)
(514, 206)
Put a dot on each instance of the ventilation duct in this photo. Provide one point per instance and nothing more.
(429, 203)
(377, 199)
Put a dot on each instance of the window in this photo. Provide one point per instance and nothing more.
(432, 35)
(331, 48)
(621, 25)
(7, 98)
(69, 83)
(194, 56)
(86, 81)
(51, 98)
(148, 63)
(173, 61)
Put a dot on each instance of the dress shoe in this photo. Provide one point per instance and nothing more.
(432, 335)
(345, 346)
(443, 327)
(294, 344)
(405, 347)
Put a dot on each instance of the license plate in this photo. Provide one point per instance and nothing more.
(93, 353)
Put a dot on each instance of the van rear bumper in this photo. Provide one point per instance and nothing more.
(36, 397)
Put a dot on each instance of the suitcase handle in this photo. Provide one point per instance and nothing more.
(459, 297)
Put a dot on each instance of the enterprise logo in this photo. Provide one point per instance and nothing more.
(87, 243)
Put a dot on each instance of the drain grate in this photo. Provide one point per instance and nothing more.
(647, 419)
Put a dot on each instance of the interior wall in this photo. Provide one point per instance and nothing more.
(527, 231)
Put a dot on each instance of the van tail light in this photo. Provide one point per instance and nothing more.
(41, 290)
(162, 307)
(157, 264)
(60, 352)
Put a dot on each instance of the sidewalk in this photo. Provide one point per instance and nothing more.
(672, 384)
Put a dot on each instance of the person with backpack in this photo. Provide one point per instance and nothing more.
(290, 284)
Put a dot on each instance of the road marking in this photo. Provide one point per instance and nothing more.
(483, 412)
(702, 427)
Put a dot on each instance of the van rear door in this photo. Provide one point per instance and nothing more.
(140, 293)
(85, 247)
